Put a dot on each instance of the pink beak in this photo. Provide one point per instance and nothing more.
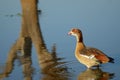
(69, 33)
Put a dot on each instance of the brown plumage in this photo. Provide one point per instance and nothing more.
(87, 55)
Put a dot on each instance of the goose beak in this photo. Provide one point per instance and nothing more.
(69, 33)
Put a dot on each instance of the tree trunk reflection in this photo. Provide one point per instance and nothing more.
(51, 67)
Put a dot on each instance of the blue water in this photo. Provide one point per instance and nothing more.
(99, 21)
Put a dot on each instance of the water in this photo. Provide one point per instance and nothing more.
(98, 20)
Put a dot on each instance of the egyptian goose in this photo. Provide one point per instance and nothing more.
(87, 55)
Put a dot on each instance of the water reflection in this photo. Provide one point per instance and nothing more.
(25, 60)
(95, 74)
(51, 66)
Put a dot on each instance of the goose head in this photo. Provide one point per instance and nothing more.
(77, 33)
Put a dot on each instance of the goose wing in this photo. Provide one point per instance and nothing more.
(94, 53)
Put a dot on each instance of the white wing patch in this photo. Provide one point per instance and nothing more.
(89, 57)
